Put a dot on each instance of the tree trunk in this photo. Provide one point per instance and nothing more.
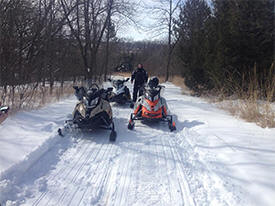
(169, 42)
(107, 50)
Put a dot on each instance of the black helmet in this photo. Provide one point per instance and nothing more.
(153, 82)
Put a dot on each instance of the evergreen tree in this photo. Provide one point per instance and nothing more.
(245, 37)
(219, 46)
(192, 29)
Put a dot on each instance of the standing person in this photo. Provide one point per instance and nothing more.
(140, 77)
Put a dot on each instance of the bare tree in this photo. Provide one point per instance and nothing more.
(30, 51)
(89, 23)
(163, 13)
(110, 33)
(46, 41)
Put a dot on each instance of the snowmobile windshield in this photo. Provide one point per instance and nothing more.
(118, 84)
(152, 94)
(93, 102)
(92, 98)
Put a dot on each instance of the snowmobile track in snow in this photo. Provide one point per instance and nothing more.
(106, 173)
(59, 175)
(146, 166)
(180, 173)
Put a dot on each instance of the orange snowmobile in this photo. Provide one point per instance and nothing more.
(151, 106)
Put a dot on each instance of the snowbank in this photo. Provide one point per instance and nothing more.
(25, 138)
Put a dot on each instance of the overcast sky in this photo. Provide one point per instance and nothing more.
(145, 21)
(133, 33)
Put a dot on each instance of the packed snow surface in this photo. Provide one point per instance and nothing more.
(211, 159)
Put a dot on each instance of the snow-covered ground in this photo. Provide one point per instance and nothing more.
(212, 159)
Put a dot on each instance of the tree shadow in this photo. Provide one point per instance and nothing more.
(189, 124)
(186, 123)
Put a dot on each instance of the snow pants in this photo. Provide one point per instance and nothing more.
(138, 90)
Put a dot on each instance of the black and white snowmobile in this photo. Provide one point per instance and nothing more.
(121, 93)
(92, 112)
(151, 106)
(3, 113)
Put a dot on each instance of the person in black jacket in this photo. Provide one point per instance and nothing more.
(140, 77)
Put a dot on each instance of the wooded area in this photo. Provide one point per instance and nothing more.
(48, 41)
(221, 45)
(227, 44)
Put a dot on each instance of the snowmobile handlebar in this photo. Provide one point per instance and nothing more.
(92, 86)
(92, 93)
(123, 81)
(157, 87)
(102, 93)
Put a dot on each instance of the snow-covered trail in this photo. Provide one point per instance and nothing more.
(212, 159)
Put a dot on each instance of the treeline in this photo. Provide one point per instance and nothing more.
(149, 53)
(34, 43)
(44, 42)
(218, 44)
(58, 39)
(225, 44)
